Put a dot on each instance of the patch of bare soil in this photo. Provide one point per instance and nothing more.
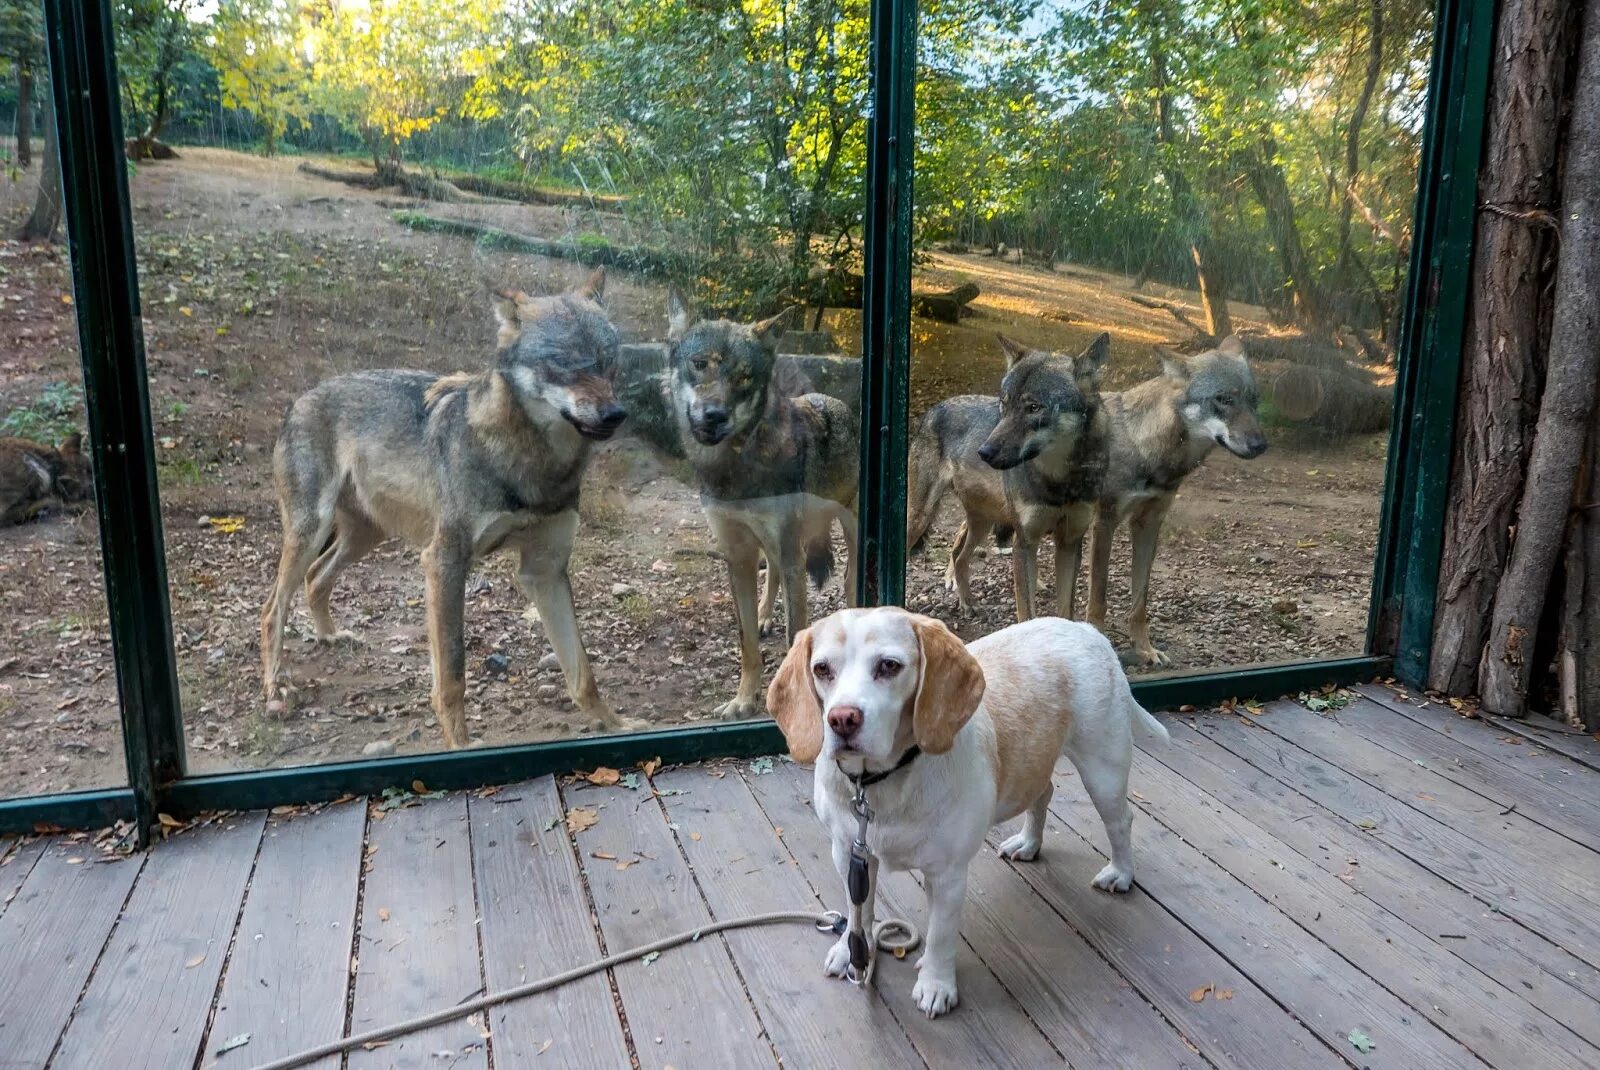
(258, 281)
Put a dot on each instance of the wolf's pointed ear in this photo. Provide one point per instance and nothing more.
(950, 689)
(1231, 346)
(1088, 364)
(506, 314)
(594, 287)
(769, 330)
(679, 316)
(1014, 350)
(792, 701)
(1173, 364)
(73, 445)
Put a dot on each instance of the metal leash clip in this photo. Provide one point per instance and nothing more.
(858, 881)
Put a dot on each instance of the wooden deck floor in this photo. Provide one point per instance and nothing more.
(1389, 878)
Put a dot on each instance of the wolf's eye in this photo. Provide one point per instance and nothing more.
(1033, 408)
(822, 671)
(1225, 400)
(886, 668)
(699, 364)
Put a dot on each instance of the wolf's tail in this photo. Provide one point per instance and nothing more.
(926, 482)
(819, 560)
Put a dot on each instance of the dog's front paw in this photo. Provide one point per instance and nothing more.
(934, 995)
(837, 962)
(1020, 848)
(1112, 879)
(739, 708)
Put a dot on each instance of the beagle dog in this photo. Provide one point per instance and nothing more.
(952, 739)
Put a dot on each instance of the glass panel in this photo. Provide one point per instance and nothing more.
(325, 192)
(1163, 248)
(60, 728)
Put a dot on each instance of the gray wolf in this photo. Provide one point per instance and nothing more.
(33, 475)
(860, 689)
(1161, 430)
(460, 466)
(774, 473)
(1030, 462)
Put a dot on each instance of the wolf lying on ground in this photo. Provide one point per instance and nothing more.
(461, 466)
(32, 475)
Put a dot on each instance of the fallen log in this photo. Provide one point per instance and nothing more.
(411, 183)
(844, 289)
(586, 249)
(1343, 403)
(526, 194)
(946, 306)
(1177, 312)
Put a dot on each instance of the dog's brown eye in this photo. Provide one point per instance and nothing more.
(821, 671)
(886, 668)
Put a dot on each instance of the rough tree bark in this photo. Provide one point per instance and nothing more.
(1352, 145)
(1578, 652)
(24, 113)
(1565, 409)
(46, 217)
(1501, 363)
(1272, 190)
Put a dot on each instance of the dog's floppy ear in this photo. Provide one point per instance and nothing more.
(769, 330)
(594, 287)
(1087, 365)
(1173, 364)
(679, 316)
(1231, 346)
(950, 688)
(1014, 350)
(792, 701)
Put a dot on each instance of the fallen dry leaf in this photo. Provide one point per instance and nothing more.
(651, 766)
(695, 836)
(604, 777)
(1199, 994)
(580, 818)
(628, 862)
(1224, 993)
(383, 913)
(419, 787)
(546, 1046)
(604, 856)
(197, 960)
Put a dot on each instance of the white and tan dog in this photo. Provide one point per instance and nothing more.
(860, 689)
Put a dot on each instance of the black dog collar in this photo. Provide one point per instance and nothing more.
(866, 780)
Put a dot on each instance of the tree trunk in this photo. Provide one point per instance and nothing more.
(1501, 354)
(24, 114)
(1213, 289)
(1272, 190)
(1352, 145)
(1565, 408)
(1578, 655)
(46, 217)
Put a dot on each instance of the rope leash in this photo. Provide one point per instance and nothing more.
(883, 937)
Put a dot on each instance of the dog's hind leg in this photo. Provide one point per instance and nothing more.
(1024, 845)
(959, 574)
(542, 574)
(1105, 525)
(1144, 528)
(304, 533)
(353, 538)
(445, 564)
(1105, 778)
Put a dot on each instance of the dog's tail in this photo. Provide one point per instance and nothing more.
(1144, 721)
(819, 560)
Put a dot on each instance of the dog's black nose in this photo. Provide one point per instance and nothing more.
(845, 721)
(612, 415)
(713, 416)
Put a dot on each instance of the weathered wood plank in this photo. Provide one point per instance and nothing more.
(1578, 819)
(1488, 1018)
(151, 994)
(535, 924)
(1294, 968)
(50, 939)
(1549, 767)
(1028, 995)
(1484, 870)
(742, 867)
(17, 860)
(290, 970)
(688, 1007)
(418, 948)
(1524, 847)
(1551, 979)
(1167, 962)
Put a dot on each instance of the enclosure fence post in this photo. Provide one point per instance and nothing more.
(82, 48)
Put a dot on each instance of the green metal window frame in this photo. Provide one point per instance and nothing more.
(100, 229)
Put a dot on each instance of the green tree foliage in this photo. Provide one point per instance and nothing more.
(253, 45)
(159, 63)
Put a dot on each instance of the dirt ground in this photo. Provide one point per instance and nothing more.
(259, 281)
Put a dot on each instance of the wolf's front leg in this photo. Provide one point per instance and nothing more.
(1024, 574)
(837, 961)
(935, 990)
(743, 552)
(445, 564)
(542, 575)
(1105, 524)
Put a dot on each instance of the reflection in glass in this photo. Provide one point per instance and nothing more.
(1222, 190)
